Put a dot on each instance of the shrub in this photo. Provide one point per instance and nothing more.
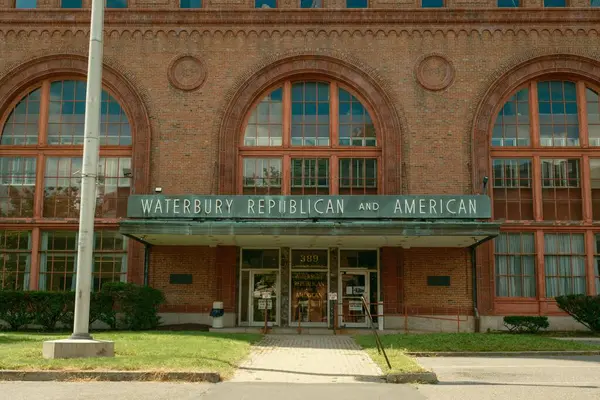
(49, 307)
(526, 324)
(584, 309)
(138, 304)
(15, 308)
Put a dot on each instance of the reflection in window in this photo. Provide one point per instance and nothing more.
(15, 250)
(17, 186)
(358, 176)
(564, 264)
(190, 4)
(59, 259)
(515, 265)
(25, 3)
(63, 182)
(593, 116)
(116, 3)
(513, 192)
(21, 127)
(561, 189)
(595, 184)
(512, 124)
(357, 3)
(310, 176)
(432, 3)
(262, 176)
(67, 116)
(508, 3)
(555, 3)
(356, 126)
(310, 114)
(71, 3)
(265, 124)
(361, 259)
(311, 3)
(260, 259)
(265, 3)
(559, 123)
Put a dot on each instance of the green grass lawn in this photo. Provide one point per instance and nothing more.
(474, 342)
(150, 351)
(400, 361)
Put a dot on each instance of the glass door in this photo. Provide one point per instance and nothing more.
(355, 285)
(309, 282)
(263, 297)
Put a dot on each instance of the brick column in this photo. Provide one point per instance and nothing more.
(391, 280)
(226, 270)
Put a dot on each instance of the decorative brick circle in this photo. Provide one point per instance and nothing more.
(434, 72)
(187, 73)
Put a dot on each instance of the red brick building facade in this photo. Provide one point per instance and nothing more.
(398, 98)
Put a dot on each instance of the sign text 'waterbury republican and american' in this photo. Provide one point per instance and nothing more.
(301, 207)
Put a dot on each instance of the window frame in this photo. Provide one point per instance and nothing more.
(286, 152)
(522, 275)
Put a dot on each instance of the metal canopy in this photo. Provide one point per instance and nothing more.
(356, 234)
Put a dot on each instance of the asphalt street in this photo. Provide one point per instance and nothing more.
(473, 378)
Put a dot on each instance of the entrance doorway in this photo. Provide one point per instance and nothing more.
(359, 277)
(309, 284)
(259, 287)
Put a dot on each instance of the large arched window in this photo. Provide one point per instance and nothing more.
(41, 147)
(545, 162)
(309, 137)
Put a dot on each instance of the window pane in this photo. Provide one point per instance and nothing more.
(512, 189)
(508, 3)
(555, 3)
(15, 256)
(62, 182)
(190, 4)
(67, 116)
(116, 3)
(71, 3)
(561, 189)
(263, 259)
(593, 117)
(515, 265)
(358, 176)
(363, 259)
(595, 3)
(311, 3)
(559, 124)
(512, 123)
(355, 123)
(265, 3)
(357, 3)
(265, 123)
(25, 3)
(262, 176)
(17, 186)
(310, 114)
(564, 261)
(21, 127)
(310, 176)
(595, 185)
(432, 3)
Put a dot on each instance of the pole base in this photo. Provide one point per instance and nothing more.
(77, 348)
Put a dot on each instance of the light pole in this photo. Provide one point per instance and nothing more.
(81, 344)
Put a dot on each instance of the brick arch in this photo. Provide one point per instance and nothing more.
(384, 114)
(561, 65)
(14, 84)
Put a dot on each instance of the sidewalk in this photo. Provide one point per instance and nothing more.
(308, 359)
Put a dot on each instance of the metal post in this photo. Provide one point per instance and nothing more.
(89, 172)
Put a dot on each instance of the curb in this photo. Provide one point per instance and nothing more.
(17, 375)
(503, 353)
(415, 377)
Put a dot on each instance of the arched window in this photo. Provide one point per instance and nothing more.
(545, 163)
(309, 137)
(41, 147)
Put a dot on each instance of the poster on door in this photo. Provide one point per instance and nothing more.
(264, 304)
(355, 305)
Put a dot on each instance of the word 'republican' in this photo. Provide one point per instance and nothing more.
(370, 206)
